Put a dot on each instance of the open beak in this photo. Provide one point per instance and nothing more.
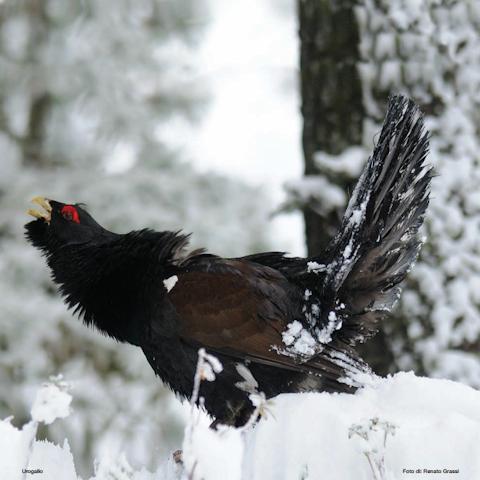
(45, 204)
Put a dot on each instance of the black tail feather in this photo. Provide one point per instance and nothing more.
(379, 239)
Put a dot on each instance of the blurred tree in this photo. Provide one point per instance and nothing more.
(353, 54)
(104, 73)
(87, 92)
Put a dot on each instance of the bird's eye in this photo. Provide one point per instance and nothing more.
(69, 212)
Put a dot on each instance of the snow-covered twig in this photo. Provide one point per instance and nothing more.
(258, 399)
(374, 446)
(260, 403)
(207, 368)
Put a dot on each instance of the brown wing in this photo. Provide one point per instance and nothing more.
(235, 308)
(240, 309)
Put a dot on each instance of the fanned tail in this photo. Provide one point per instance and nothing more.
(379, 239)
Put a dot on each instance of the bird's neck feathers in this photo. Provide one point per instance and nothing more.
(112, 284)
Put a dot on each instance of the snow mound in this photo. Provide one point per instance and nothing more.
(395, 428)
(388, 430)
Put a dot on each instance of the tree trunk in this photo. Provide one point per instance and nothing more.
(331, 90)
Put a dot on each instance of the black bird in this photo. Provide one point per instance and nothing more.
(293, 322)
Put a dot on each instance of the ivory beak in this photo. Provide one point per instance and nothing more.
(45, 204)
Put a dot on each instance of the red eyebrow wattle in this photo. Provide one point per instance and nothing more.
(70, 209)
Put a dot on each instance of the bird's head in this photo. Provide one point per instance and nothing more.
(105, 276)
(83, 263)
(59, 224)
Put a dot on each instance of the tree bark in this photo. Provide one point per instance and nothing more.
(331, 92)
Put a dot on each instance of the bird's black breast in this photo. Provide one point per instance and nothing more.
(174, 363)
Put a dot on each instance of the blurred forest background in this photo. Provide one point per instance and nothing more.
(188, 114)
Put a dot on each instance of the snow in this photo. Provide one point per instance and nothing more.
(358, 214)
(54, 461)
(392, 425)
(324, 335)
(50, 403)
(310, 433)
(14, 444)
(22, 454)
(215, 455)
(293, 329)
(316, 191)
(298, 339)
(350, 162)
(315, 267)
(170, 282)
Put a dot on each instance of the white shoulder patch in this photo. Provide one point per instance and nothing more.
(170, 282)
